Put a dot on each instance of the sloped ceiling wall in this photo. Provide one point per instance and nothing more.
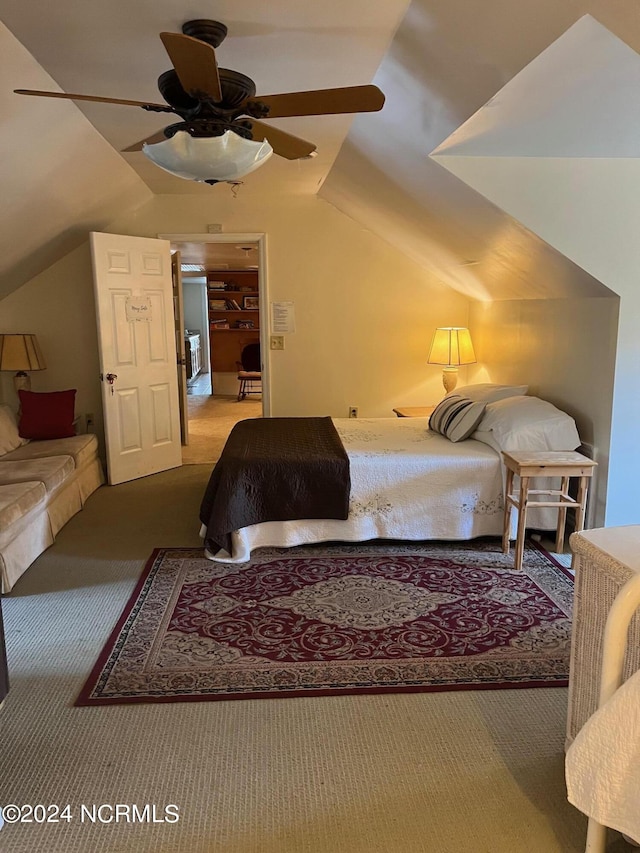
(60, 178)
(578, 98)
(448, 58)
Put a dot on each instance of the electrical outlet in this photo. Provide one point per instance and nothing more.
(353, 411)
(88, 422)
(277, 342)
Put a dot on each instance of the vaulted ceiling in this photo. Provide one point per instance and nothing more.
(438, 62)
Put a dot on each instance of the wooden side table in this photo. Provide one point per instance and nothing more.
(544, 463)
(414, 411)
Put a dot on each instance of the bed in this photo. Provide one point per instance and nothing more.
(409, 482)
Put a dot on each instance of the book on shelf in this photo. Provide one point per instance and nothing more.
(218, 304)
(219, 324)
(217, 285)
(232, 305)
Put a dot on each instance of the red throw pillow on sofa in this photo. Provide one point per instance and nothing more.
(47, 415)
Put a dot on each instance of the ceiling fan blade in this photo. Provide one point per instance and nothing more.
(350, 99)
(195, 64)
(144, 104)
(284, 144)
(150, 140)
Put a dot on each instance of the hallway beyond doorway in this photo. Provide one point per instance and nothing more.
(211, 419)
(200, 385)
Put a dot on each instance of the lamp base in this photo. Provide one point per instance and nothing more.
(22, 381)
(450, 378)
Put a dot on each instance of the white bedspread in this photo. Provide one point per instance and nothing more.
(603, 762)
(406, 483)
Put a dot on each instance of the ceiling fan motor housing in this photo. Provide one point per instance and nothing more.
(212, 32)
(236, 88)
(171, 90)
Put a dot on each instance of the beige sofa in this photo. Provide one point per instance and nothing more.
(42, 485)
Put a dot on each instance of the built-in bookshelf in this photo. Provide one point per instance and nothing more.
(234, 316)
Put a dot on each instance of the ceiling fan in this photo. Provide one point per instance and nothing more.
(214, 103)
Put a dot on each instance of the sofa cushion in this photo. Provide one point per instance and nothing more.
(48, 414)
(17, 499)
(82, 448)
(10, 439)
(51, 471)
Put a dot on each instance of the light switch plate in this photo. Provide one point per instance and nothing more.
(276, 342)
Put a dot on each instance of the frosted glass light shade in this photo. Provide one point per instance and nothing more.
(451, 346)
(212, 158)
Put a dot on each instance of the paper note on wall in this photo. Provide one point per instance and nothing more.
(283, 319)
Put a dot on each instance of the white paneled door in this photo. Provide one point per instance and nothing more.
(136, 339)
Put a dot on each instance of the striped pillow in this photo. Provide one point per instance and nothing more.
(456, 417)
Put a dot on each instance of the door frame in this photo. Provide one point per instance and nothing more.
(263, 287)
(178, 317)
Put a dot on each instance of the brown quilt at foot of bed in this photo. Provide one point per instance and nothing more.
(275, 469)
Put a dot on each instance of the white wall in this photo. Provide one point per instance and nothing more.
(365, 314)
(564, 349)
(589, 210)
(58, 306)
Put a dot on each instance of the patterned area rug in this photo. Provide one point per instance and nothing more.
(337, 619)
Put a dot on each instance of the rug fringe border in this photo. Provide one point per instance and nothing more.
(297, 694)
(83, 699)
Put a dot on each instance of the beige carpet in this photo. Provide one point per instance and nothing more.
(211, 419)
(465, 772)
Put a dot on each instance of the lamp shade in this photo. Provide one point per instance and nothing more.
(451, 346)
(20, 352)
(208, 158)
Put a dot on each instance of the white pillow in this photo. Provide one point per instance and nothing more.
(456, 417)
(526, 423)
(9, 437)
(488, 392)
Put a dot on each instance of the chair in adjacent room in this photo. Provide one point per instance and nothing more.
(249, 371)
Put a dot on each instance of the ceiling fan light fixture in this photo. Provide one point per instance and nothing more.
(212, 158)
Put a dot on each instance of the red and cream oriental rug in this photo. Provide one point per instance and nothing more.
(337, 619)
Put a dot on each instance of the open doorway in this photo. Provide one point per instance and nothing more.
(224, 299)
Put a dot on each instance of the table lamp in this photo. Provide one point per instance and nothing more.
(21, 353)
(451, 346)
